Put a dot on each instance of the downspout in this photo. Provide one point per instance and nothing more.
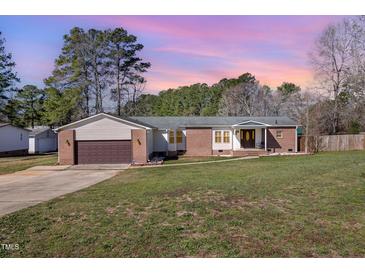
(265, 139)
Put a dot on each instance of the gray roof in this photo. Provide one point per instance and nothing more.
(8, 124)
(38, 130)
(4, 124)
(132, 120)
(210, 121)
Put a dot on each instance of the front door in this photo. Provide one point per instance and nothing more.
(248, 138)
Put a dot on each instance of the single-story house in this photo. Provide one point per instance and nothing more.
(42, 139)
(13, 140)
(104, 138)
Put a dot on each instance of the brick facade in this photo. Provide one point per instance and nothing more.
(284, 144)
(222, 152)
(139, 146)
(198, 141)
(66, 147)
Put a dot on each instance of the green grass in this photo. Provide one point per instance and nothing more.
(305, 206)
(13, 164)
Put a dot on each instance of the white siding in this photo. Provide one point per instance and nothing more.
(104, 129)
(160, 140)
(31, 149)
(182, 146)
(222, 145)
(258, 136)
(43, 142)
(13, 138)
(236, 140)
(149, 142)
(171, 147)
(47, 145)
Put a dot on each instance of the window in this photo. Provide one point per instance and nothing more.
(279, 134)
(21, 136)
(171, 136)
(226, 137)
(218, 136)
(179, 136)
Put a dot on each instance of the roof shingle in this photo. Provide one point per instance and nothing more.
(165, 122)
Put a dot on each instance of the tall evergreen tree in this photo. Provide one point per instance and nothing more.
(126, 66)
(72, 70)
(8, 77)
(11, 112)
(30, 103)
(61, 107)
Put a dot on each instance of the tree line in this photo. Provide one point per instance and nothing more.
(242, 96)
(100, 70)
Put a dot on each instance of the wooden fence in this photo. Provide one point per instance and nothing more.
(333, 142)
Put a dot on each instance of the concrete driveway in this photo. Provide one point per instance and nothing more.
(38, 184)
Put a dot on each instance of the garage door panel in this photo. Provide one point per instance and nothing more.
(103, 152)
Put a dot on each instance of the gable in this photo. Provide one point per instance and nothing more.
(98, 117)
(250, 123)
(105, 123)
(104, 129)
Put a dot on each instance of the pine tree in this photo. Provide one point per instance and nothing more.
(125, 67)
(8, 77)
(30, 102)
(61, 107)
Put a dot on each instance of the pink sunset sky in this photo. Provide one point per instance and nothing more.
(182, 49)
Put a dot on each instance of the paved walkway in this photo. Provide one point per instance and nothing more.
(42, 183)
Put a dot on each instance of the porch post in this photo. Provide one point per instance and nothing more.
(296, 139)
(265, 138)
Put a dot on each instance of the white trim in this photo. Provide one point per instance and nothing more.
(265, 139)
(100, 114)
(251, 121)
(250, 126)
(283, 126)
(296, 139)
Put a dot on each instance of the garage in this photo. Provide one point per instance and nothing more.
(103, 152)
(104, 139)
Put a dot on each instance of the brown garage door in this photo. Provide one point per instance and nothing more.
(103, 152)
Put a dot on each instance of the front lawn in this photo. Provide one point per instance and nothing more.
(304, 206)
(13, 164)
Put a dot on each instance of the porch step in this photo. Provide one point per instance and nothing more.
(249, 153)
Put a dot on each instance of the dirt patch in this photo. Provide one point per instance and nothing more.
(185, 213)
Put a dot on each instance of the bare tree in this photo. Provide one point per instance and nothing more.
(134, 90)
(331, 59)
(242, 99)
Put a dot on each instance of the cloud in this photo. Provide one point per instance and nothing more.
(184, 49)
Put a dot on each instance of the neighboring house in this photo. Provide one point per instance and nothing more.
(42, 139)
(104, 138)
(13, 140)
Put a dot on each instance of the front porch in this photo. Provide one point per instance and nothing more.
(250, 137)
